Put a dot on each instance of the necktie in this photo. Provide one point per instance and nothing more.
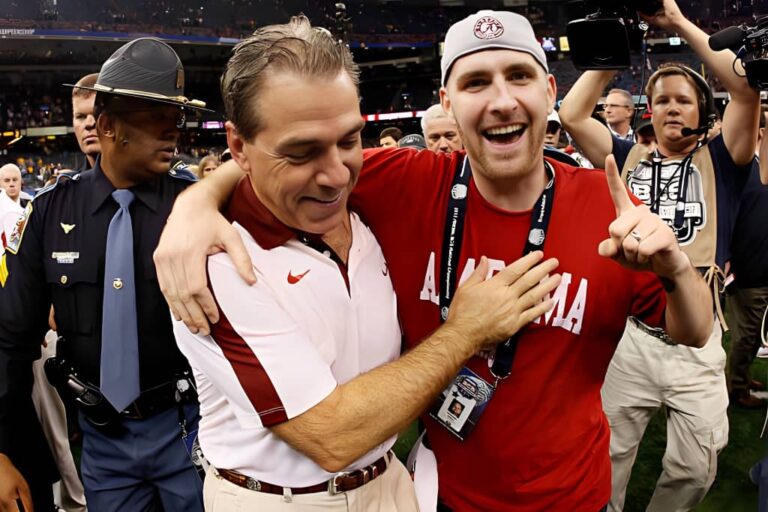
(119, 331)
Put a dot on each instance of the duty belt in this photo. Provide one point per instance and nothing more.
(341, 482)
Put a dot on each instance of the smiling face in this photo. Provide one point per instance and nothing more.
(675, 105)
(500, 100)
(307, 155)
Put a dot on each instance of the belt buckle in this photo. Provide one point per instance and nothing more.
(333, 485)
(253, 484)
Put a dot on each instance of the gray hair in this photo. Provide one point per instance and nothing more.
(434, 112)
(626, 94)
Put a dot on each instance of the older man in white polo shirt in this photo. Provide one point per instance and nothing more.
(300, 391)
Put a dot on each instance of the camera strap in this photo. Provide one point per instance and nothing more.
(452, 240)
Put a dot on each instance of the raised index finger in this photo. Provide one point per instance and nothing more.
(616, 186)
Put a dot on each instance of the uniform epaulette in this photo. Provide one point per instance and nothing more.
(61, 177)
(181, 171)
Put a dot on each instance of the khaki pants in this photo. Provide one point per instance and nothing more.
(391, 492)
(644, 374)
(745, 315)
(68, 493)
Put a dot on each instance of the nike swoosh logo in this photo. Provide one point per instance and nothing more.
(292, 279)
(385, 270)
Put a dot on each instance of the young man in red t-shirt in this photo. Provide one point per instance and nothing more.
(537, 440)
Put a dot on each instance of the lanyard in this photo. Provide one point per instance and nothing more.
(682, 184)
(452, 239)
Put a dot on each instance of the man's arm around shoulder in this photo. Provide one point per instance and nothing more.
(374, 406)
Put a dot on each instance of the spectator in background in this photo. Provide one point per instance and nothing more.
(207, 165)
(412, 140)
(11, 182)
(554, 129)
(389, 136)
(440, 131)
(619, 109)
(644, 132)
(83, 120)
(10, 207)
(747, 296)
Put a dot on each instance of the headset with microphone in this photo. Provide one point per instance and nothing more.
(707, 109)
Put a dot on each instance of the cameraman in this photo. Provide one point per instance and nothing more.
(646, 372)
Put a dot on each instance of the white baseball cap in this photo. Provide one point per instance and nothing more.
(487, 30)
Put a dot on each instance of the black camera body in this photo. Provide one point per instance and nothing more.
(603, 39)
(751, 45)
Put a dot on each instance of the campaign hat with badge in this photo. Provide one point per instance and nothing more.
(148, 69)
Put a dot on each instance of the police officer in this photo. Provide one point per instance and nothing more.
(85, 245)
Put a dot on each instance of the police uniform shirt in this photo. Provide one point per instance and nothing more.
(60, 261)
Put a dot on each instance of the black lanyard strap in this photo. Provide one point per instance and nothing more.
(452, 240)
(683, 168)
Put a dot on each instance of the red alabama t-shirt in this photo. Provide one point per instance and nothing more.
(542, 442)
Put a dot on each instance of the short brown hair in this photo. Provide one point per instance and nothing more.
(86, 81)
(391, 131)
(296, 47)
(675, 69)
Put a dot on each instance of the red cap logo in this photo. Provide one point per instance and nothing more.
(488, 28)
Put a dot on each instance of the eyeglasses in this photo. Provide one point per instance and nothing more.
(614, 105)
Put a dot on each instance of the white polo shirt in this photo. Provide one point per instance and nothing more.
(10, 212)
(284, 344)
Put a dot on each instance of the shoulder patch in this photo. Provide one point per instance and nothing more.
(181, 171)
(14, 241)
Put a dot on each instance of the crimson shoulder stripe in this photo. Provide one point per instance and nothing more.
(249, 371)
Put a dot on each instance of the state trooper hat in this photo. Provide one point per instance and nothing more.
(145, 68)
(489, 30)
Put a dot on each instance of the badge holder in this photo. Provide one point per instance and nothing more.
(461, 404)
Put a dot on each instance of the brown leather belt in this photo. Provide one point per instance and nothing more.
(341, 482)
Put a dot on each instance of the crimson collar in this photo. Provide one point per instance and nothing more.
(246, 209)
